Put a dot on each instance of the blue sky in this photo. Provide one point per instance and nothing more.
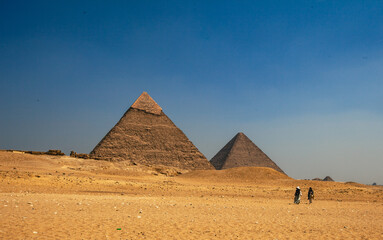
(302, 79)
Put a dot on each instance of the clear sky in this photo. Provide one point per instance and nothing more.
(302, 79)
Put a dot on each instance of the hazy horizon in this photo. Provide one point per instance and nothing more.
(303, 81)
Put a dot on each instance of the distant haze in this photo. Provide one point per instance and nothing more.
(303, 79)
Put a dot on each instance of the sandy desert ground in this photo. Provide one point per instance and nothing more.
(51, 197)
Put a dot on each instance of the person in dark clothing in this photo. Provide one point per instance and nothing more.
(297, 196)
(311, 195)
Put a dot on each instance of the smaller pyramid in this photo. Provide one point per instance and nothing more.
(328, 179)
(240, 151)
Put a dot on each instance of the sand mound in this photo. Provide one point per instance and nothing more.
(355, 184)
(240, 174)
(22, 162)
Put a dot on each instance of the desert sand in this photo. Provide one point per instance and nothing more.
(54, 197)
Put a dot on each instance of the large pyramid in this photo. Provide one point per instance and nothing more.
(242, 152)
(145, 135)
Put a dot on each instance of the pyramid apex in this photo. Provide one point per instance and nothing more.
(146, 103)
(240, 135)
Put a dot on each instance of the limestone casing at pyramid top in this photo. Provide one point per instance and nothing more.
(145, 103)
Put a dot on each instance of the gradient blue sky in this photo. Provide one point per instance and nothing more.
(302, 79)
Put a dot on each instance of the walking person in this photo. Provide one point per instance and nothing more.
(311, 195)
(297, 196)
